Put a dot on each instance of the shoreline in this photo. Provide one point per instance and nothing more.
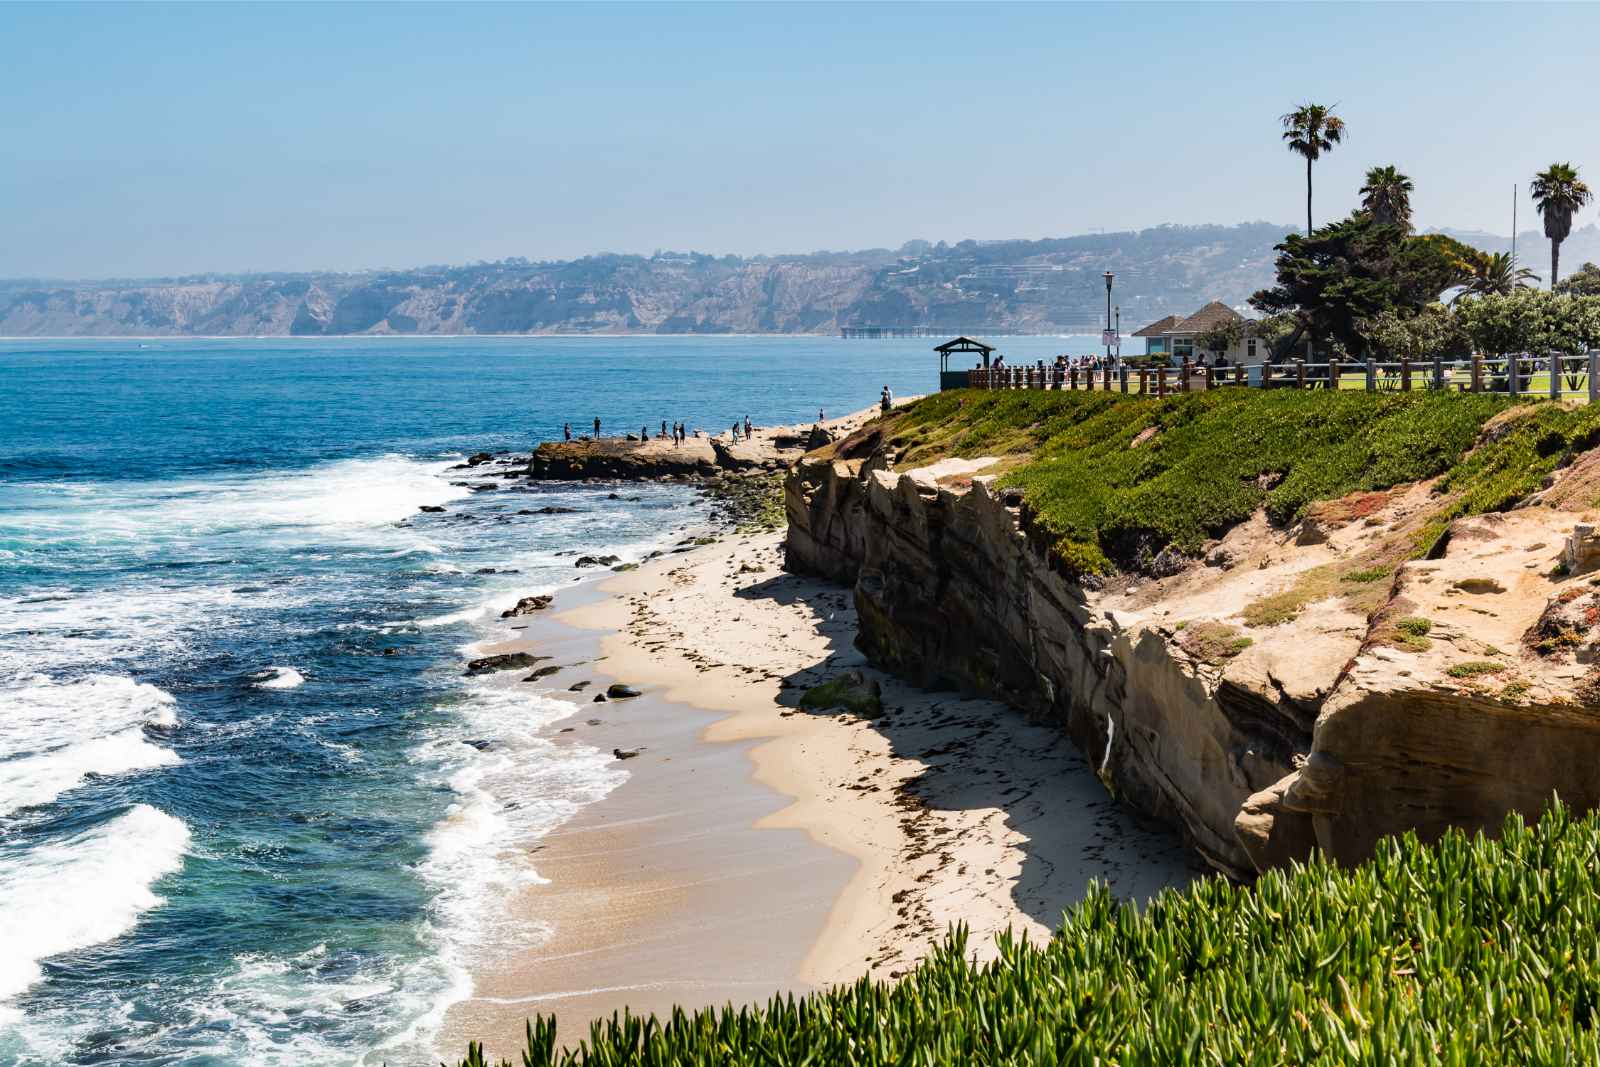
(758, 849)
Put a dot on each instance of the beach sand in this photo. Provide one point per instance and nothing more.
(759, 848)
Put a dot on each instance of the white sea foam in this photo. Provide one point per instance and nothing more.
(54, 735)
(516, 789)
(279, 678)
(92, 887)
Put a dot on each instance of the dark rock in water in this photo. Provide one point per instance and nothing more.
(504, 662)
(654, 553)
(625, 753)
(619, 568)
(483, 487)
(477, 458)
(479, 743)
(527, 606)
(432, 509)
(577, 687)
(542, 672)
(568, 729)
(549, 509)
(618, 691)
(485, 570)
(596, 561)
(391, 652)
(613, 496)
(594, 722)
(599, 698)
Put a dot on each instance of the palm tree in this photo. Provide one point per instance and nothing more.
(1559, 195)
(1495, 274)
(1310, 130)
(1387, 195)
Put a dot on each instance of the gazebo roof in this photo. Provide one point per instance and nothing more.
(963, 344)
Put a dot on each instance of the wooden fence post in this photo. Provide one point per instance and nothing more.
(1238, 374)
(1555, 375)
(1122, 372)
(1513, 375)
(1266, 375)
(1477, 373)
(1333, 373)
(1594, 379)
(1372, 374)
(1405, 374)
(1143, 381)
(1299, 374)
(1161, 381)
(1438, 373)
(1183, 375)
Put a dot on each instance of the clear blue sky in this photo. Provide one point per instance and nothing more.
(149, 139)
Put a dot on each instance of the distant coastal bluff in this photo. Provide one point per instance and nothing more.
(1367, 663)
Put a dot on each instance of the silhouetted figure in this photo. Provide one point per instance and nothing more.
(566, 430)
(597, 427)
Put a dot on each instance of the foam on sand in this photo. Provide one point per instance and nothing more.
(84, 890)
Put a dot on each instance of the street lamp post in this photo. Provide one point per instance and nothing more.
(1109, 278)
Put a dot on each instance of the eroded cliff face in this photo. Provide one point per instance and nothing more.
(1259, 742)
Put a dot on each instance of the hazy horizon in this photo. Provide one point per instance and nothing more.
(170, 140)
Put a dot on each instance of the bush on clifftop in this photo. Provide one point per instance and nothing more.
(1468, 951)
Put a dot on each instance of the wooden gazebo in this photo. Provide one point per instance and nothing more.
(957, 379)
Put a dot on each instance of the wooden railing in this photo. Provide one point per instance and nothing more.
(1576, 377)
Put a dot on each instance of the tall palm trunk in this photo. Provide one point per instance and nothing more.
(1555, 261)
(1308, 196)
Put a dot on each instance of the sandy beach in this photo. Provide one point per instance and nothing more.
(759, 848)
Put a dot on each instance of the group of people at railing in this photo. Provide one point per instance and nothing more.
(1507, 373)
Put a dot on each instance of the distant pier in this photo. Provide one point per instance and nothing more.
(878, 333)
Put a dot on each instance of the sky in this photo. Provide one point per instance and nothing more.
(145, 140)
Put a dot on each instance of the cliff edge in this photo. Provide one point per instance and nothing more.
(1332, 653)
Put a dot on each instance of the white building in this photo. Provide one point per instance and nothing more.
(1176, 337)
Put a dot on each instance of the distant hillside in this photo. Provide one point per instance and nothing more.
(1048, 286)
(1533, 247)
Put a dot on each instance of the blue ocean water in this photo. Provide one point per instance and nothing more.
(241, 817)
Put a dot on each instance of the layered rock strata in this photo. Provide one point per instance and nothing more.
(1260, 742)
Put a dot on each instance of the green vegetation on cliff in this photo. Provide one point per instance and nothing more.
(1114, 480)
(1467, 951)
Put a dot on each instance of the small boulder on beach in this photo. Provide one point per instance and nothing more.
(618, 691)
(542, 672)
(504, 662)
(625, 753)
(596, 561)
(527, 606)
(432, 509)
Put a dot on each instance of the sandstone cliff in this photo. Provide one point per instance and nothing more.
(1269, 700)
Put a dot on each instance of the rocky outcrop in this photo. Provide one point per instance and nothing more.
(951, 594)
(614, 460)
(1330, 731)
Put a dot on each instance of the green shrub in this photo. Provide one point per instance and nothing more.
(1467, 951)
(1474, 668)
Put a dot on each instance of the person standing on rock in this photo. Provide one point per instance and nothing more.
(736, 431)
(566, 430)
(821, 415)
(747, 433)
(597, 427)
(886, 401)
(644, 435)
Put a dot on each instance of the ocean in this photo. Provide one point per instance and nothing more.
(247, 814)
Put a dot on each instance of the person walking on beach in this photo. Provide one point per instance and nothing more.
(747, 434)
(663, 427)
(597, 427)
(736, 431)
(566, 430)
